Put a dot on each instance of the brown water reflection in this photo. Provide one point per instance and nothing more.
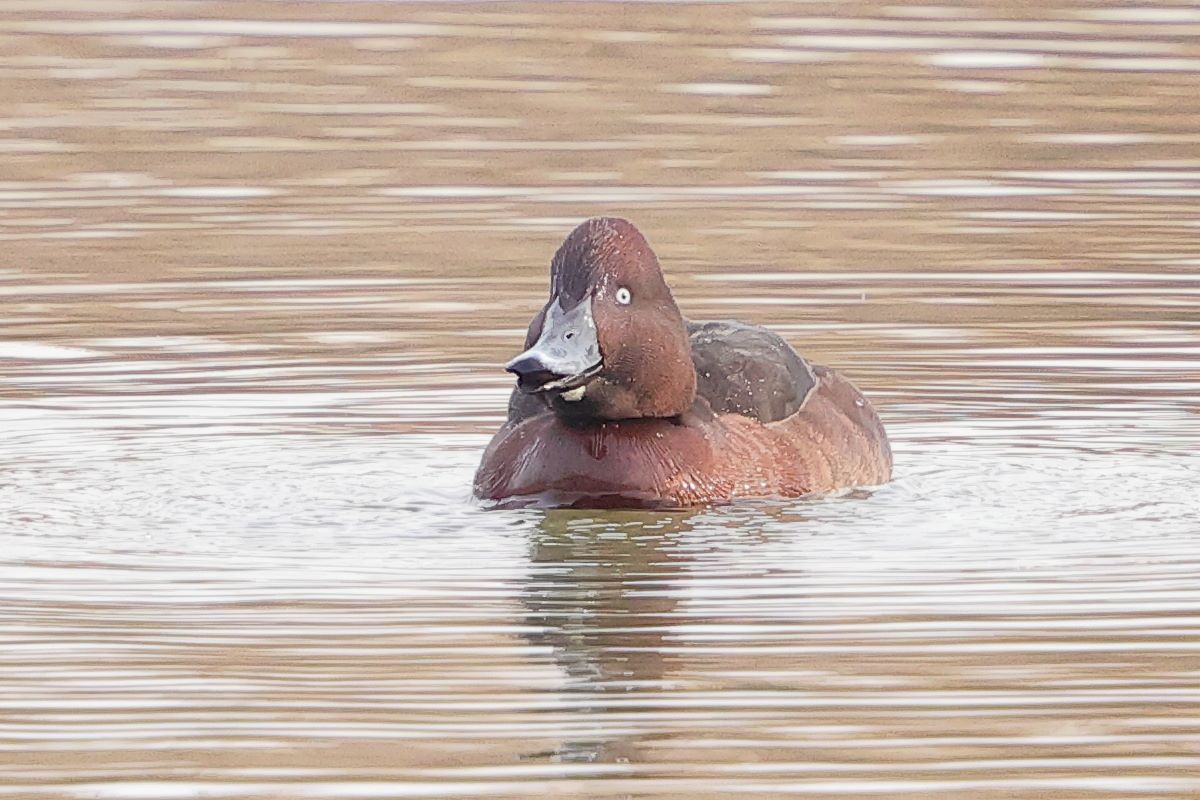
(261, 261)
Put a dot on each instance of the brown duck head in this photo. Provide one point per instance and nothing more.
(610, 344)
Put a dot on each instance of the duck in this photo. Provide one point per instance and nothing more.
(622, 402)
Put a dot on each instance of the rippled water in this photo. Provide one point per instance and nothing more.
(261, 261)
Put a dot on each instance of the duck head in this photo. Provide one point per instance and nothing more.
(610, 343)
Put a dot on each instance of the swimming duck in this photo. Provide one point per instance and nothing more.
(620, 401)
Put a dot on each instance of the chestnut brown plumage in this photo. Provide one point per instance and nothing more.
(662, 411)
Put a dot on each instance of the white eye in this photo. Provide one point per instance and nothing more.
(623, 296)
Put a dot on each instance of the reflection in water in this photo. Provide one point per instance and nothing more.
(603, 599)
(262, 261)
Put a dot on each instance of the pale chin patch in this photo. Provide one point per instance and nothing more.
(575, 395)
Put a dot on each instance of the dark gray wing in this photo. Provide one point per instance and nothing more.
(748, 370)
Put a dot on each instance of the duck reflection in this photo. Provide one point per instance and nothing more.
(604, 590)
(604, 593)
(604, 596)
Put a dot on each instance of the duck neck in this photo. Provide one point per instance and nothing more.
(659, 385)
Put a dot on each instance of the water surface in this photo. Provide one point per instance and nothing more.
(261, 262)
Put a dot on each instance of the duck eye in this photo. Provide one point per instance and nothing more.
(623, 296)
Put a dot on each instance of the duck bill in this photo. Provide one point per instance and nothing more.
(566, 355)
